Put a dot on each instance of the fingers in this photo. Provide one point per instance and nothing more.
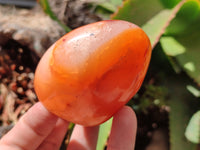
(40, 126)
(123, 132)
(83, 138)
(31, 129)
(55, 138)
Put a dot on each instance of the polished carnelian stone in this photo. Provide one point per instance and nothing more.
(91, 72)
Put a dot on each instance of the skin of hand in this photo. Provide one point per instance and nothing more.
(39, 129)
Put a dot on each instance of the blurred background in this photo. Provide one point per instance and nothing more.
(168, 103)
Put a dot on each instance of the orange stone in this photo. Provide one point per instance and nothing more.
(91, 72)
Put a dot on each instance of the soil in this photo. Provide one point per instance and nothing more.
(25, 34)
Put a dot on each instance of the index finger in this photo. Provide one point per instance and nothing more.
(31, 129)
(123, 132)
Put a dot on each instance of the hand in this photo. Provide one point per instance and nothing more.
(38, 129)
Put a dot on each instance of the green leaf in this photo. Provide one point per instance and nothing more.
(138, 11)
(181, 103)
(154, 19)
(116, 2)
(170, 3)
(110, 5)
(184, 46)
(190, 59)
(192, 132)
(188, 13)
(182, 106)
(187, 48)
(47, 9)
(172, 47)
(104, 132)
(155, 27)
(193, 90)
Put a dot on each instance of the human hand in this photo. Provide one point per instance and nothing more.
(38, 129)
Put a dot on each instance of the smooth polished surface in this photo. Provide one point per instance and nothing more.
(91, 72)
